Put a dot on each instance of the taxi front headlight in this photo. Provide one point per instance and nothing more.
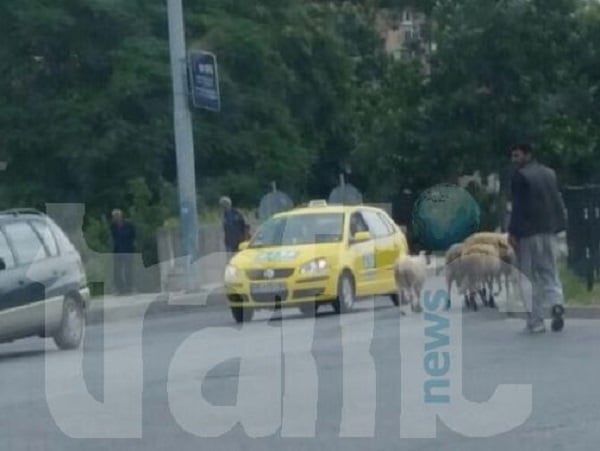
(231, 274)
(316, 266)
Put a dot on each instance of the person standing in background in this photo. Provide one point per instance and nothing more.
(235, 228)
(123, 237)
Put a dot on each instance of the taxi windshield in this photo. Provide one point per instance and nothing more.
(309, 228)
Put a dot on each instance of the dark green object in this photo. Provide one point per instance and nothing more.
(444, 215)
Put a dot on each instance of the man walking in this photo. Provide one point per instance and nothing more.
(537, 216)
(123, 236)
(234, 225)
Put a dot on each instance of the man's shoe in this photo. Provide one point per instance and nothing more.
(538, 328)
(534, 329)
(558, 321)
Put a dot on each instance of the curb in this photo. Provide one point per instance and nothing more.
(213, 298)
(571, 312)
(156, 305)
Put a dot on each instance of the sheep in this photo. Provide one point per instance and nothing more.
(506, 251)
(480, 264)
(493, 238)
(409, 273)
(453, 271)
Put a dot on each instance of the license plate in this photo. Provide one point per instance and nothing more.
(268, 287)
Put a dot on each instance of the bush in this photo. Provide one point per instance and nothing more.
(491, 205)
(147, 211)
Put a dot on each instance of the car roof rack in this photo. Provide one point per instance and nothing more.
(22, 211)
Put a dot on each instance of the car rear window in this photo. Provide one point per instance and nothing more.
(5, 252)
(47, 237)
(25, 241)
(64, 243)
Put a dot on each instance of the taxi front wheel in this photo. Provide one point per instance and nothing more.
(346, 294)
(242, 315)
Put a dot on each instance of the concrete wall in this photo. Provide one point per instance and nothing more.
(209, 268)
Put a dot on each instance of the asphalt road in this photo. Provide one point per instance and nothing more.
(349, 396)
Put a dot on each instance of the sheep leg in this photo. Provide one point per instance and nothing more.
(399, 294)
(498, 279)
(488, 293)
(448, 288)
(464, 290)
(483, 295)
(471, 284)
(492, 300)
(473, 300)
(411, 299)
(402, 297)
(416, 304)
(472, 290)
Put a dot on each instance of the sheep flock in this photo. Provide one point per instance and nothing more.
(480, 266)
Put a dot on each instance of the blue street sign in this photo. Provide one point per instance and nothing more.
(204, 80)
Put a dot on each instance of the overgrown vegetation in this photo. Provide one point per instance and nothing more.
(575, 288)
(307, 90)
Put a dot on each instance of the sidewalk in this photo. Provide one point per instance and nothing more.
(111, 308)
(118, 308)
(436, 269)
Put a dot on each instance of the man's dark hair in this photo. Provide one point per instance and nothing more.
(525, 148)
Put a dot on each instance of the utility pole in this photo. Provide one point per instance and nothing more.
(184, 141)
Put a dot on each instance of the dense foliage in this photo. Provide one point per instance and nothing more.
(307, 91)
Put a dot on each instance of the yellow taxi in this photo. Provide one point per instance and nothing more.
(315, 255)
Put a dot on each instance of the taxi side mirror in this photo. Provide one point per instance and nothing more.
(244, 245)
(360, 237)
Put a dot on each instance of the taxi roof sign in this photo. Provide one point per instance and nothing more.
(317, 203)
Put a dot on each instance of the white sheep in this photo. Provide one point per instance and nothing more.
(410, 273)
(453, 272)
(480, 265)
(506, 251)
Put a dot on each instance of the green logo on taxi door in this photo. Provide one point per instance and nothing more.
(273, 256)
(369, 261)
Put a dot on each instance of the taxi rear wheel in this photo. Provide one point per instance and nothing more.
(346, 294)
(242, 315)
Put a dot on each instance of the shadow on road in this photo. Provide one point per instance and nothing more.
(16, 355)
(289, 314)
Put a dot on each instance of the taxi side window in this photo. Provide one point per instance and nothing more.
(377, 226)
(388, 223)
(357, 224)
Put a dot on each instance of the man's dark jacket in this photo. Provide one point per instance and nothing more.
(537, 205)
(123, 238)
(234, 227)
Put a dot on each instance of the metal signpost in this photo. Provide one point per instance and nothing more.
(205, 94)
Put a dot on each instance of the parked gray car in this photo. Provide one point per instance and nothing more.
(43, 286)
